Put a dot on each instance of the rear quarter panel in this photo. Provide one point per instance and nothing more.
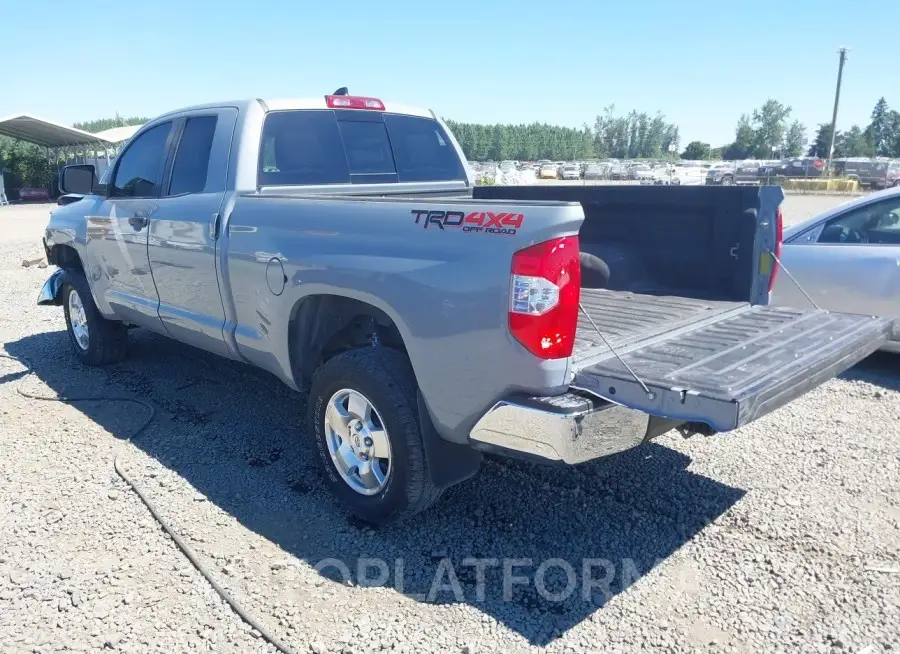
(445, 289)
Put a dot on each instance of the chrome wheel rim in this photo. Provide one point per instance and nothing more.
(78, 320)
(358, 442)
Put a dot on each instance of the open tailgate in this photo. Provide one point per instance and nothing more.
(731, 371)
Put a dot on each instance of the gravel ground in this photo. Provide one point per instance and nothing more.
(782, 536)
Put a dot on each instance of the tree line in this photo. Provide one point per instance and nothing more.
(768, 132)
(633, 135)
(103, 124)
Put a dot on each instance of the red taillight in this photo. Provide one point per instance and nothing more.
(779, 233)
(544, 291)
(353, 102)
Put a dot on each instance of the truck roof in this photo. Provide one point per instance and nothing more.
(287, 104)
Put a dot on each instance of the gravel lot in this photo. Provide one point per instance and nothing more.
(783, 536)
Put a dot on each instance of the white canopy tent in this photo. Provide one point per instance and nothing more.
(63, 143)
(119, 134)
(47, 134)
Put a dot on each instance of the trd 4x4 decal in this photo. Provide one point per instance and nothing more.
(483, 222)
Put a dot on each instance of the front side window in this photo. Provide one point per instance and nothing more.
(877, 223)
(140, 167)
(191, 164)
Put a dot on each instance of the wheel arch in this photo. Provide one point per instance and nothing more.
(325, 324)
(64, 256)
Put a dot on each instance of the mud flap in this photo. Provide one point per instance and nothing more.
(449, 463)
(732, 371)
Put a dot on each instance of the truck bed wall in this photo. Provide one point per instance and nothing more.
(662, 240)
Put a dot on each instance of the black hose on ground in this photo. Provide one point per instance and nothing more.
(267, 635)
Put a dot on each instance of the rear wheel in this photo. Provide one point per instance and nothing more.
(363, 418)
(96, 340)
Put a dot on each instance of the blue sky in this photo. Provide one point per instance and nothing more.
(700, 63)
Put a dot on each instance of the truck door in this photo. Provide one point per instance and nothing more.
(184, 230)
(117, 230)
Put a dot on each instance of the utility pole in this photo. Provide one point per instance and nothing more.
(837, 97)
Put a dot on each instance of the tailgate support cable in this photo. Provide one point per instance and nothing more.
(796, 283)
(650, 394)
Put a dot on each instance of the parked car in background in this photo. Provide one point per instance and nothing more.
(871, 173)
(799, 167)
(618, 171)
(508, 167)
(747, 171)
(893, 174)
(570, 171)
(686, 174)
(549, 171)
(641, 172)
(846, 260)
(595, 171)
(720, 174)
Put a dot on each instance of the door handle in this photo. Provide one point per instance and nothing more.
(139, 220)
(214, 226)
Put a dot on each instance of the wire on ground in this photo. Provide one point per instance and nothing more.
(117, 464)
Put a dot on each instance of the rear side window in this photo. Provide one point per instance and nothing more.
(192, 157)
(338, 147)
(422, 150)
(302, 147)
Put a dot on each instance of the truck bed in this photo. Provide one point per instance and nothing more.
(627, 319)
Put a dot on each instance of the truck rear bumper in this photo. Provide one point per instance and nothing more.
(567, 428)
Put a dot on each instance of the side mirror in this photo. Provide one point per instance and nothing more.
(80, 179)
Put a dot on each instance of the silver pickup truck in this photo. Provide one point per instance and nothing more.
(339, 243)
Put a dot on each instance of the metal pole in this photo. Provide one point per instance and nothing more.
(837, 97)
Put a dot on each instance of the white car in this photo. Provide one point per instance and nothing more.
(571, 171)
(642, 172)
(688, 174)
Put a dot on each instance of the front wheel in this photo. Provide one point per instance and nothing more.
(363, 419)
(96, 340)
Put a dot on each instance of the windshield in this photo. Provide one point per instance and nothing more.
(340, 147)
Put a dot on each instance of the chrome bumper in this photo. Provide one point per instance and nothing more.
(49, 295)
(569, 428)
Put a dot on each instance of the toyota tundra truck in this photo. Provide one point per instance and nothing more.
(340, 244)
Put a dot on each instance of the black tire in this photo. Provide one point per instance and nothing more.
(727, 180)
(107, 339)
(386, 378)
